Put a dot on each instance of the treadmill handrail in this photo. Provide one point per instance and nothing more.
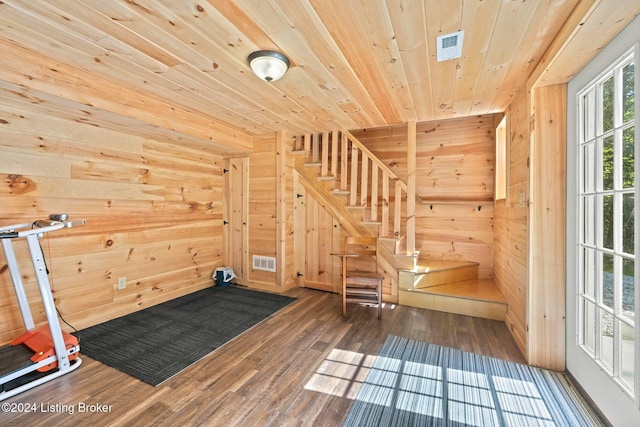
(15, 226)
(41, 226)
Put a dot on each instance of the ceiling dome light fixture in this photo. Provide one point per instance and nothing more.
(268, 64)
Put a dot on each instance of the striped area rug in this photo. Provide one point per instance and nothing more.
(413, 383)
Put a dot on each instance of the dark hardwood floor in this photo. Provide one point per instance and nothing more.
(300, 367)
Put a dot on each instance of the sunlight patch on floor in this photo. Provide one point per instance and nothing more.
(341, 373)
(467, 396)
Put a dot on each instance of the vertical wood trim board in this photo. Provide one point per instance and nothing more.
(298, 231)
(411, 186)
(281, 210)
(546, 300)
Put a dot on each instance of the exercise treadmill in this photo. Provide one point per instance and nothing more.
(42, 353)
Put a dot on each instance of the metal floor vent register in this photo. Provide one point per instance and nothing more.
(265, 263)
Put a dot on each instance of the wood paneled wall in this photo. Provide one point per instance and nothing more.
(269, 224)
(318, 235)
(510, 247)
(529, 256)
(153, 209)
(457, 232)
(261, 218)
(454, 179)
(529, 237)
(454, 158)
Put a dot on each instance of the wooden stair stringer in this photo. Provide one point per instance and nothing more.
(335, 205)
(396, 245)
(389, 272)
(391, 262)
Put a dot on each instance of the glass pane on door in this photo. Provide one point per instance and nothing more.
(627, 354)
(607, 221)
(628, 289)
(607, 163)
(607, 104)
(589, 326)
(628, 157)
(606, 339)
(628, 96)
(606, 297)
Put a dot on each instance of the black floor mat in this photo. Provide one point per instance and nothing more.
(156, 343)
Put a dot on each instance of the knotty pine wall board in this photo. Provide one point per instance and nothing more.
(153, 208)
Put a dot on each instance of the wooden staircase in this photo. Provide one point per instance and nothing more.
(369, 199)
(363, 194)
(451, 286)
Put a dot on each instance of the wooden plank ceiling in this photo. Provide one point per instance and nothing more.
(181, 64)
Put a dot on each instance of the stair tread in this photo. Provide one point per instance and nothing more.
(476, 289)
(430, 265)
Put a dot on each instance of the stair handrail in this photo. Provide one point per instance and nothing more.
(375, 159)
(380, 164)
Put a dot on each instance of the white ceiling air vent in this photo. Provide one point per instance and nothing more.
(450, 46)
